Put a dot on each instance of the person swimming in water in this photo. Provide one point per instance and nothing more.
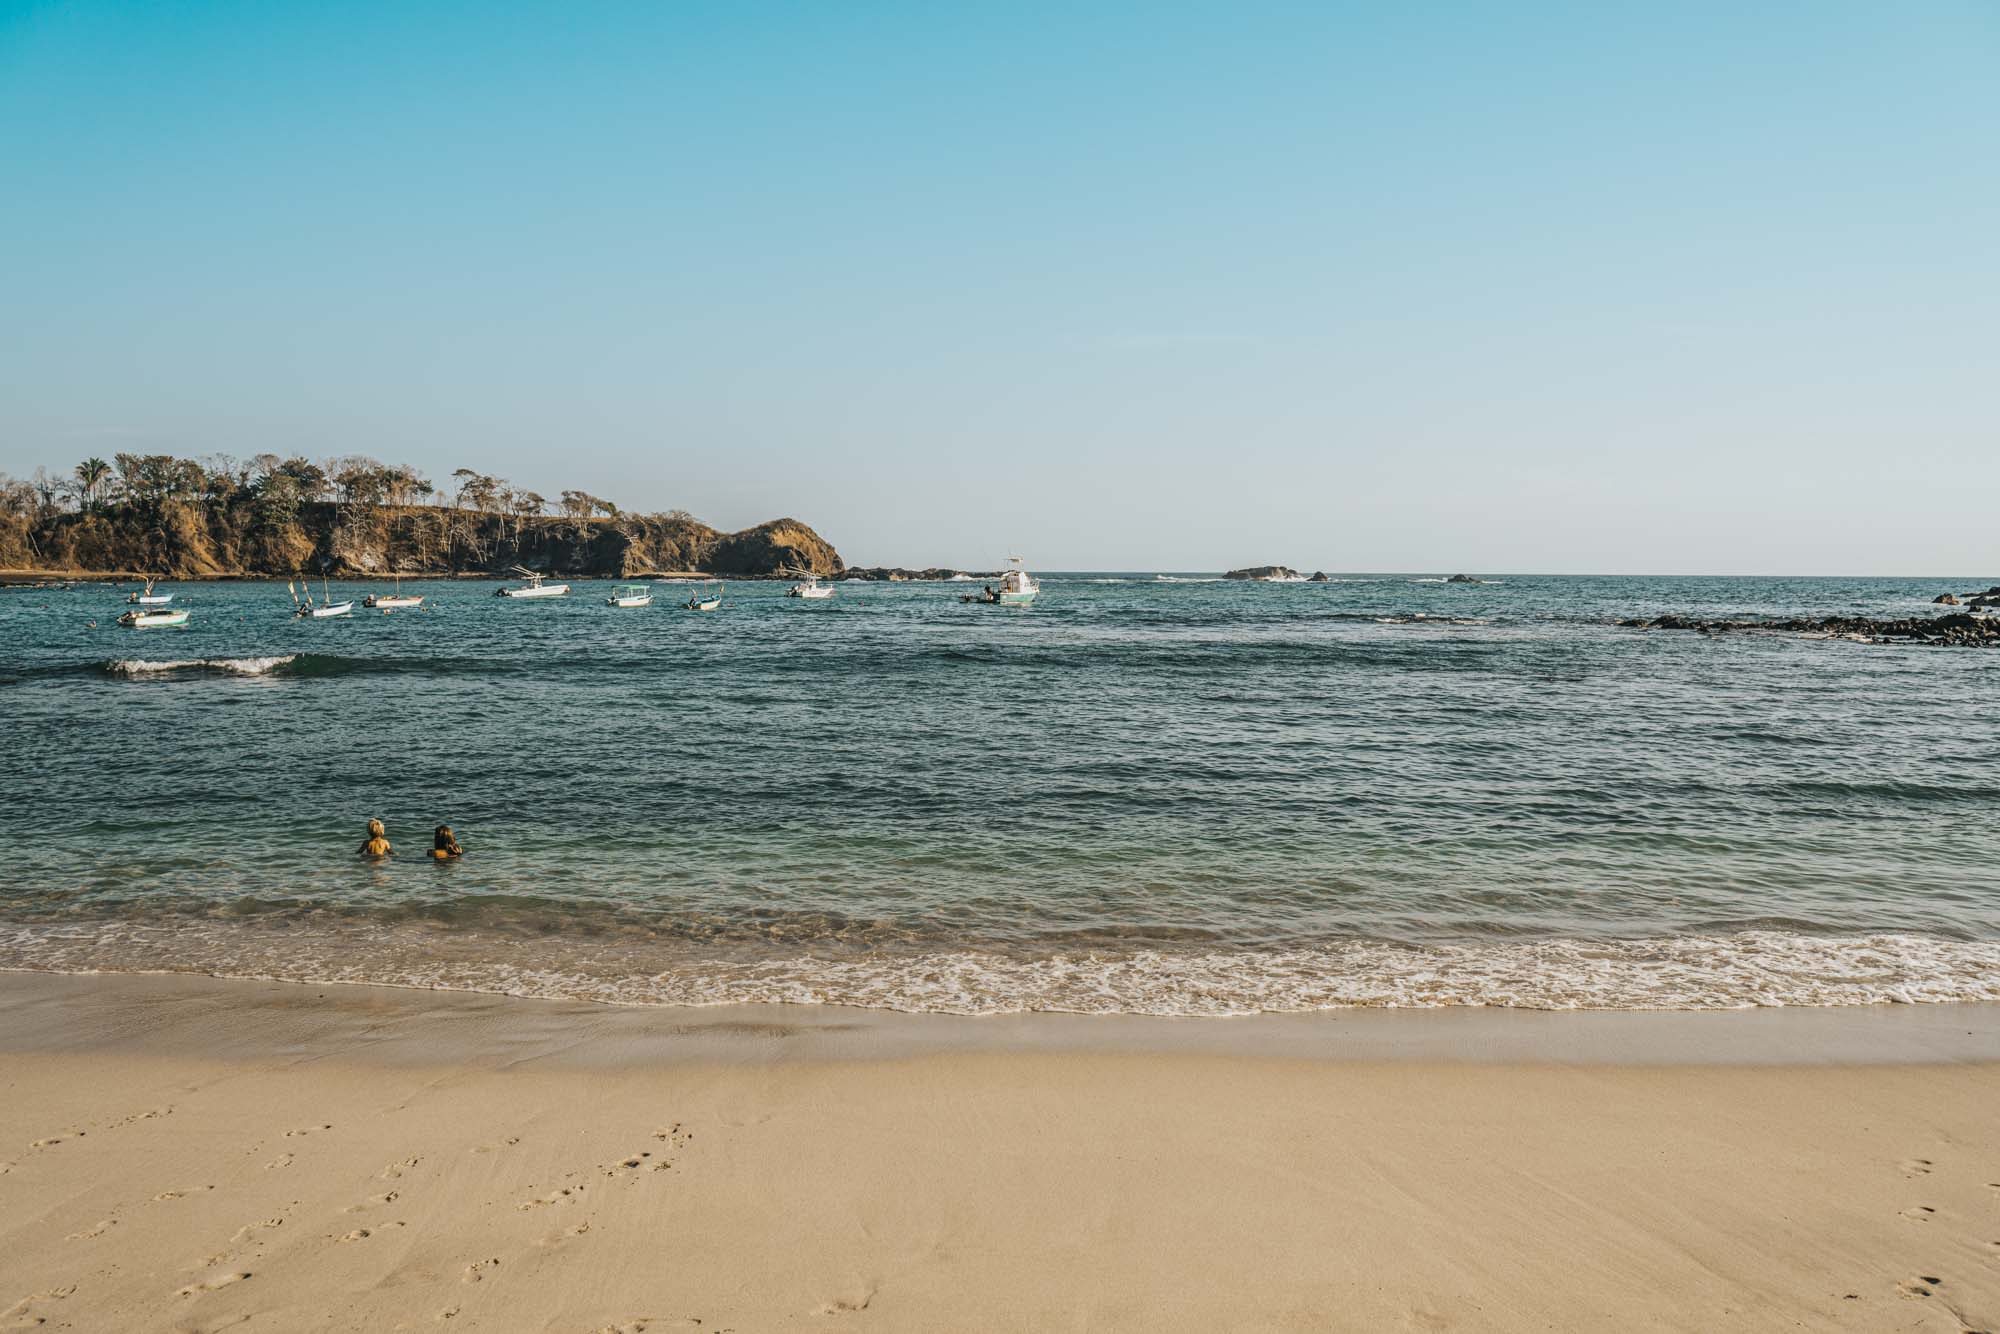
(377, 845)
(444, 844)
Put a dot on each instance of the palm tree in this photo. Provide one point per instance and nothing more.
(90, 475)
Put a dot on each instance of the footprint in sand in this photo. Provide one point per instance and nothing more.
(1919, 1213)
(374, 1202)
(50, 1141)
(1923, 1285)
(506, 1143)
(476, 1271)
(140, 1116)
(282, 1160)
(394, 1171)
(294, 1134)
(359, 1234)
(1916, 1167)
(22, 1314)
(249, 1231)
(214, 1281)
(97, 1229)
(565, 1193)
(857, 1298)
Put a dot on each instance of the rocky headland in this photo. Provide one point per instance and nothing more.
(353, 517)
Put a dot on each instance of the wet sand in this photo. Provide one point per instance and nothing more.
(189, 1154)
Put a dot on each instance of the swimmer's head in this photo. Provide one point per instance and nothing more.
(375, 829)
(443, 836)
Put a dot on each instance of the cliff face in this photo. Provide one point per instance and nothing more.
(187, 540)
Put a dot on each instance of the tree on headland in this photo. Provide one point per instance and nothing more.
(91, 475)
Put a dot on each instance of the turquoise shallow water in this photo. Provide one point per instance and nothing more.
(1169, 796)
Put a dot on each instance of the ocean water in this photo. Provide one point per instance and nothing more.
(1142, 794)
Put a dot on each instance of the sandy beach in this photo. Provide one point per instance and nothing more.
(191, 1154)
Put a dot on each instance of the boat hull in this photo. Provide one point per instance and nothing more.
(630, 602)
(391, 603)
(1016, 599)
(327, 612)
(152, 620)
(151, 600)
(545, 591)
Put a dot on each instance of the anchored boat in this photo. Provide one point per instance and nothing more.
(809, 587)
(147, 620)
(326, 607)
(534, 588)
(705, 601)
(149, 598)
(392, 601)
(631, 595)
(1017, 588)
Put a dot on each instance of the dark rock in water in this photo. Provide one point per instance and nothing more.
(1464, 579)
(1263, 573)
(1959, 629)
(1944, 600)
(1318, 577)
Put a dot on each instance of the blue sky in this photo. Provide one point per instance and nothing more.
(1559, 287)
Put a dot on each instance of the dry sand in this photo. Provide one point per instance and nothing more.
(186, 1154)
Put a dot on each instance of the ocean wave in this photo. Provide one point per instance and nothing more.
(224, 666)
(1741, 970)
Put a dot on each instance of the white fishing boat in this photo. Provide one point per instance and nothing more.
(534, 588)
(809, 587)
(631, 595)
(705, 601)
(149, 598)
(392, 601)
(147, 620)
(306, 609)
(1017, 588)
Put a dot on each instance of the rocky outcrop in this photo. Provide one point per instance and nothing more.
(1990, 598)
(1264, 573)
(1464, 579)
(1959, 629)
(1318, 577)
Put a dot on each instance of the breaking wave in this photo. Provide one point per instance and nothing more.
(1742, 970)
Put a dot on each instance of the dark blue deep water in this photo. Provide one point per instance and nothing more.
(1141, 794)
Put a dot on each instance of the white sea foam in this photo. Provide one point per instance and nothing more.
(1739, 971)
(229, 666)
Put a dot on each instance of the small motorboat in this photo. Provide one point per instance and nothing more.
(705, 601)
(149, 598)
(392, 601)
(1017, 588)
(534, 588)
(809, 586)
(630, 595)
(148, 620)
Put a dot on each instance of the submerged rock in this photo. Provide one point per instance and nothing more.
(1944, 600)
(1464, 579)
(1959, 629)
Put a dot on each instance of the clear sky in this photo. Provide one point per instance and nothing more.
(1595, 286)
